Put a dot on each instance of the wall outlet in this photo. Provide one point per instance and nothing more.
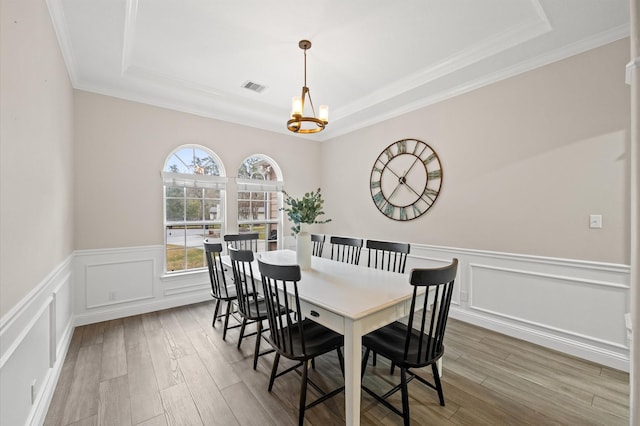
(464, 296)
(595, 221)
(112, 295)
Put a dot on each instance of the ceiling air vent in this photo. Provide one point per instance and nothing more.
(254, 86)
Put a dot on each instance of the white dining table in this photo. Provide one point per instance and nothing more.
(351, 300)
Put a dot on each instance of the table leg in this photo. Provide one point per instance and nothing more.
(352, 371)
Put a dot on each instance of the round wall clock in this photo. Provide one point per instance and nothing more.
(406, 179)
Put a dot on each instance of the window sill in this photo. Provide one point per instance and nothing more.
(175, 276)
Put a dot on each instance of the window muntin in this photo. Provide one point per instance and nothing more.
(194, 189)
(259, 200)
(192, 159)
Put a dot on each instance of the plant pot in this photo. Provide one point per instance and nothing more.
(303, 248)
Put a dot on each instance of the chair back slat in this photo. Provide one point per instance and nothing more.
(344, 249)
(247, 241)
(278, 282)
(317, 242)
(388, 255)
(219, 287)
(246, 288)
(424, 340)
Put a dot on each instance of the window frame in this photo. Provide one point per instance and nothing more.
(189, 182)
(252, 186)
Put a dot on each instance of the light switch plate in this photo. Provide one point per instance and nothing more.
(595, 221)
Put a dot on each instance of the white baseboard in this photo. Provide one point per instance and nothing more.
(139, 308)
(596, 354)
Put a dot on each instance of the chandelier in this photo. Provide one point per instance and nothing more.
(299, 123)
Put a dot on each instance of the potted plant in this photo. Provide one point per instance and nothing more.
(304, 211)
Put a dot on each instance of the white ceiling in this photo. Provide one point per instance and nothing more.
(370, 60)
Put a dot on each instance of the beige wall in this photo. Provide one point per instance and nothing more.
(121, 147)
(525, 161)
(36, 175)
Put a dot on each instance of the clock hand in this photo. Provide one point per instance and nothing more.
(424, 194)
(386, 166)
(410, 167)
(413, 190)
(401, 181)
(418, 157)
(394, 191)
(394, 173)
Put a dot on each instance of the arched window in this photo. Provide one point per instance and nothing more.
(194, 188)
(259, 200)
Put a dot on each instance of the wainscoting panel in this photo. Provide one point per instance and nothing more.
(581, 308)
(119, 282)
(573, 306)
(35, 336)
(62, 315)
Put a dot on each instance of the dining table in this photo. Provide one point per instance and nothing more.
(352, 300)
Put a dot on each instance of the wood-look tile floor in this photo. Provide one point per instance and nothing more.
(172, 368)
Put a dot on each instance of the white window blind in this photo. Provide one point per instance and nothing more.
(194, 181)
(259, 185)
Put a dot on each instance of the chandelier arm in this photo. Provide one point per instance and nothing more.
(313, 110)
(305, 89)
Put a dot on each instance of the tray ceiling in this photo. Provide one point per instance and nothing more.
(370, 60)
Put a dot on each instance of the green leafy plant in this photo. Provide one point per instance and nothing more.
(304, 210)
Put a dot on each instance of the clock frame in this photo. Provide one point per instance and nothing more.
(406, 179)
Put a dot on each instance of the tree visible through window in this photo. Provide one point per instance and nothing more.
(259, 200)
(194, 186)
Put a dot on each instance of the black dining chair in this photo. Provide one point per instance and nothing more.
(248, 241)
(420, 342)
(251, 305)
(317, 241)
(293, 336)
(387, 255)
(345, 249)
(220, 291)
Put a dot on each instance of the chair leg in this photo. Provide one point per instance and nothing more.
(303, 392)
(226, 320)
(215, 313)
(375, 359)
(436, 379)
(405, 396)
(244, 324)
(274, 370)
(256, 352)
(365, 358)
